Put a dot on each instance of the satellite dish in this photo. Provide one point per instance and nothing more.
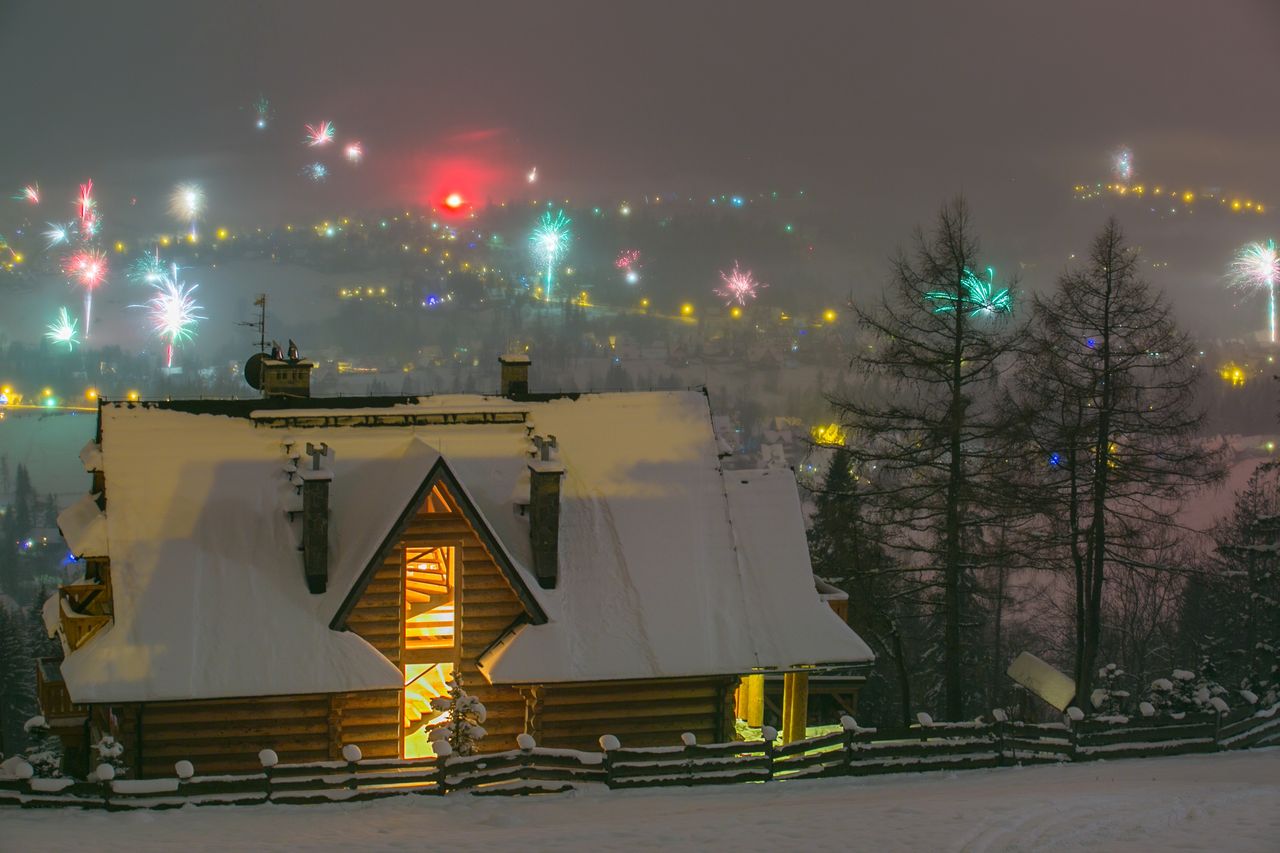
(253, 370)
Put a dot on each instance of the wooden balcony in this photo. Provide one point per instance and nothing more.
(84, 610)
(51, 690)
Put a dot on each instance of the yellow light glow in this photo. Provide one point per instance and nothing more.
(191, 238)
(119, 246)
(47, 392)
(164, 241)
(829, 315)
(686, 310)
(18, 257)
(133, 396)
(1188, 197)
(735, 312)
(91, 394)
(221, 234)
(1232, 374)
(644, 303)
(1235, 204)
(828, 435)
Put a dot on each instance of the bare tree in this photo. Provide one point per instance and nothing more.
(1107, 390)
(925, 448)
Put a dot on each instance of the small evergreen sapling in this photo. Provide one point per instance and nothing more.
(1108, 698)
(462, 726)
(44, 751)
(110, 751)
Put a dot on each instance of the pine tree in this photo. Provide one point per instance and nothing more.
(844, 551)
(927, 441)
(1107, 390)
(17, 680)
(462, 728)
(1231, 611)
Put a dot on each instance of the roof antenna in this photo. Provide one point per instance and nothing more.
(261, 323)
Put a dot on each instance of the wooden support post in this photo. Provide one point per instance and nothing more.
(753, 687)
(795, 705)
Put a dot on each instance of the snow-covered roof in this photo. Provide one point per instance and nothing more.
(85, 528)
(667, 567)
(91, 456)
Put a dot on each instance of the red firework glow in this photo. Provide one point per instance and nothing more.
(454, 201)
(628, 259)
(84, 204)
(87, 266)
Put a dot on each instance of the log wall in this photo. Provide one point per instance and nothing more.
(638, 713)
(225, 735)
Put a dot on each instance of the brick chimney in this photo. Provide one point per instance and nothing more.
(545, 472)
(515, 374)
(315, 519)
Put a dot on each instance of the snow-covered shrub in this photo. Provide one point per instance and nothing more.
(44, 750)
(110, 751)
(462, 726)
(1185, 692)
(1110, 699)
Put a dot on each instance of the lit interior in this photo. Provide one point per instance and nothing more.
(429, 634)
(422, 683)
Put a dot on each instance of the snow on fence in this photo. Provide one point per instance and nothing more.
(851, 751)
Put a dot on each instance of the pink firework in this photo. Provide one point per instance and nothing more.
(739, 285)
(31, 193)
(89, 268)
(628, 259)
(354, 152)
(320, 134)
(85, 203)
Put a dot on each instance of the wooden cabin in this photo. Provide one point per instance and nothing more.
(301, 573)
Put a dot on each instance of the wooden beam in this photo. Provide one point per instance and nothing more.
(754, 695)
(795, 705)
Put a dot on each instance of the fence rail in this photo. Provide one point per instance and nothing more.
(852, 751)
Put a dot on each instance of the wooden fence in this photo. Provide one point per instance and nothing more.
(851, 751)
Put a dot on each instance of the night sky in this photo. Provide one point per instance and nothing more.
(880, 111)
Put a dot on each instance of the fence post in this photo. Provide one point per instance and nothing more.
(608, 743)
(104, 773)
(352, 755)
(770, 736)
(849, 725)
(442, 749)
(268, 759)
(690, 740)
(1074, 715)
(925, 721)
(526, 743)
(184, 770)
(999, 721)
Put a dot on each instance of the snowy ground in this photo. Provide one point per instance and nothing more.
(1214, 802)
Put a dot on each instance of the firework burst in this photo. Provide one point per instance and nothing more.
(88, 267)
(262, 113)
(58, 234)
(977, 296)
(320, 134)
(63, 330)
(1257, 267)
(739, 285)
(187, 204)
(354, 152)
(628, 261)
(147, 269)
(173, 312)
(1122, 165)
(549, 241)
(87, 213)
(317, 172)
(30, 193)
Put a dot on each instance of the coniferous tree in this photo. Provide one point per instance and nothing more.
(846, 552)
(1107, 388)
(927, 443)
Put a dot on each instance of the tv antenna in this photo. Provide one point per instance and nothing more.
(261, 323)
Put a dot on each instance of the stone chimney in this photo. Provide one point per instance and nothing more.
(515, 375)
(545, 472)
(315, 519)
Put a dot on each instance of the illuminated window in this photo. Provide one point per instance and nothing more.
(422, 683)
(429, 599)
